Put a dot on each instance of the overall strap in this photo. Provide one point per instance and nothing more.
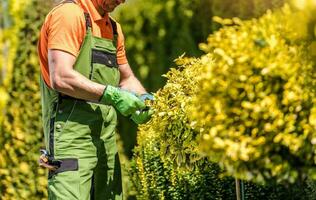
(115, 33)
(114, 26)
(88, 21)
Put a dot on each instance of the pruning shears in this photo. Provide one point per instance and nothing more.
(46, 161)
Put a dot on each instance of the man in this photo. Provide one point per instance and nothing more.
(85, 77)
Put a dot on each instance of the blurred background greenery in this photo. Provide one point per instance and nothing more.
(156, 32)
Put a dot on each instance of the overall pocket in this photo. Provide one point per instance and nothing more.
(64, 185)
(104, 68)
(64, 112)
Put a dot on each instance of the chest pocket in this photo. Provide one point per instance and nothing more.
(102, 56)
(97, 57)
(104, 67)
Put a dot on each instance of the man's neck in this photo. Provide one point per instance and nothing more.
(99, 9)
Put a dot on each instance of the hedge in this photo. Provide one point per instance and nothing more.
(257, 104)
(10, 24)
(180, 139)
(21, 131)
(156, 33)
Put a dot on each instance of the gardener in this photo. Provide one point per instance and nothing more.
(85, 77)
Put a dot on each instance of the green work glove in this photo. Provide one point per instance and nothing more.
(125, 102)
(143, 116)
(147, 96)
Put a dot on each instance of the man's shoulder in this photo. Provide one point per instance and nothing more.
(69, 10)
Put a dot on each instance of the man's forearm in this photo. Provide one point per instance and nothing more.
(76, 85)
(132, 84)
(129, 81)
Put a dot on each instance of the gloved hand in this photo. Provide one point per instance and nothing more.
(147, 96)
(143, 116)
(125, 102)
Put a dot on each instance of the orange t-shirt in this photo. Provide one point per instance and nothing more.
(65, 28)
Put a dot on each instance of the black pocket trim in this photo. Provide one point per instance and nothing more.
(105, 58)
(68, 164)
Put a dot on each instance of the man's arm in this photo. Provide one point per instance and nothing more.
(70, 82)
(66, 80)
(129, 81)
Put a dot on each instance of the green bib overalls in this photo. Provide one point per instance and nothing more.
(81, 134)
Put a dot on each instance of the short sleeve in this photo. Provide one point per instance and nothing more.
(66, 28)
(121, 54)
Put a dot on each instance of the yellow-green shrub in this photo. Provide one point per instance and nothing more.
(157, 32)
(166, 164)
(256, 105)
(170, 123)
(167, 149)
(21, 133)
(11, 16)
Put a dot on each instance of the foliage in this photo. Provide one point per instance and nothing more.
(256, 105)
(170, 122)
(166, 144)
(166, 164)
(155, 178)
(21, 134)
(244, 9)
(11, 22)
(157, 32)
